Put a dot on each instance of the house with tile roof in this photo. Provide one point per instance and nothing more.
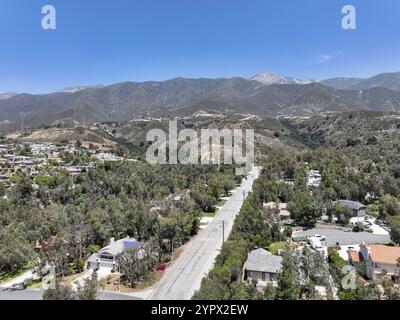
(380, 258)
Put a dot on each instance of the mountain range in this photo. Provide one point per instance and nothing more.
(259, 95)
(384, 80)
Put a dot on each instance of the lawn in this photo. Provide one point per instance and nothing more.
(209, 214)
(276, 246)
(221, 202)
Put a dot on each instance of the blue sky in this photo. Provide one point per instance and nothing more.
(103, 42)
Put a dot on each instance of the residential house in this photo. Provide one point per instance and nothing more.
(108, 157)
(263, 267)
(284, 213)
(74, 170)
(357, 208)
(314, 179)
(107, 256)
(379, 258)
(355, 258)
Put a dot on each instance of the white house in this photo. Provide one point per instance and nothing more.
(379, 258)
(106, 257)
(314, 178)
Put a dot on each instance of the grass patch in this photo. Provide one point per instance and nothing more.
(221, 202)
(209, 214)
(276, 246)
(36, 284)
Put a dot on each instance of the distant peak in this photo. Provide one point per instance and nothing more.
(269, 78)
(7, 95)
(78, 88)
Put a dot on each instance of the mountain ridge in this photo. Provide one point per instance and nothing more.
(389, 80)
(184, 97)
(269, 78)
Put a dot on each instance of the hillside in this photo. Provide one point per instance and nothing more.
(86, 136)
(345, 129)
(383, 80)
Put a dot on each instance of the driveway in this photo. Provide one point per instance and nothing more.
(101, 274)
(345, 238)
(375, 228)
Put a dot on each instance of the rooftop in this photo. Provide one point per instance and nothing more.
(356, 256)
(384, 254)
(264, 261)
(351, 204)
(117, 247)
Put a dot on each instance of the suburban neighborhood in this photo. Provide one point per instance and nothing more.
(206, 159)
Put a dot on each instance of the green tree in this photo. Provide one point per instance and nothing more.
(60, 292)
(289, 287)
(389, 206)
(88, 291)
(394, 224)
(304, 208)
(135, 264)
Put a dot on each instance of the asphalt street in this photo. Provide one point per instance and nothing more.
(184, 277)
(36, 294)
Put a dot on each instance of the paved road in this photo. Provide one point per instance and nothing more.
(184, 277)
(345, 238)
(36, 294)
(28, 294)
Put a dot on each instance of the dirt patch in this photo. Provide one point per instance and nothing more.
(112, 283)
(71, 135)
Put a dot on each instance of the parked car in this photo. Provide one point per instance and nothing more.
(19, 286)
(27, 282)
(318, 236)
(162, 267)
(316, 245)
(367, 224)
(364, 224)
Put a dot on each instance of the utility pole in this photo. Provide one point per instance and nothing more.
(223, 232)
(172, 251)
(119, 277)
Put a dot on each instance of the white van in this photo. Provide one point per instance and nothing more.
(316, 245)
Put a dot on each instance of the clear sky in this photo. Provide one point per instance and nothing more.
(104, 41)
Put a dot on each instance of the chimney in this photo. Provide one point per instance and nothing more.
(365, 251)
